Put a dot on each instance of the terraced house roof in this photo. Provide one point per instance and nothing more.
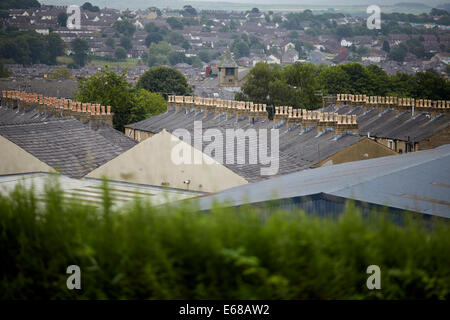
(66, 144)
(299, 148)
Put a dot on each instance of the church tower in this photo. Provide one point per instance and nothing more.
(228, 71)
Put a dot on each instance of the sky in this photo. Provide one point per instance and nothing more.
(222, 4)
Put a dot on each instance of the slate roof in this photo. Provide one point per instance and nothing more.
(396, 126)
(228, 61)
(299, 148)
(19, 116)
(66, 144)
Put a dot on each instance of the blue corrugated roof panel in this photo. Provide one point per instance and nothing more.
(418, 181)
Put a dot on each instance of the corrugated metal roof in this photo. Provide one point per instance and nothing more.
(418, 181)
(89, 191)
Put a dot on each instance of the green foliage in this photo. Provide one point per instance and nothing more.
(175, 24)
(175, 38)
(61, 73)
(189, 10)
(80, 49)
(297, 85)
(89, 7)
(108, 88)
(204, 55)
(421, 18)
(386, 46)
(415, 46)
(19, 4)
(256, 87)
(398, 53)
(430, 84)
(153, 37)
(164, 80)
(125, 42)
(120, 53)
(30, 47)
(240, 49)
(293, 35)
(146, 252)
(128, 104)
(110, 42)
(158, 54)
(151, 27)
(62, 19)
(146, 104)
(125, 27)
(4, 72)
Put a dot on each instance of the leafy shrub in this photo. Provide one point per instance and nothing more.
(146, 252)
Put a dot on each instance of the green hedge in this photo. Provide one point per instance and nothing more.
(144, 252)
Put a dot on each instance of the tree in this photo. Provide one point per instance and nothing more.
(204, 55)
(126, 27)
(189, 10)
(303, 78)
(415, 46)
(386, 46)
(151, 27)
(293, 35)
(125, 42)
(196, 63)
(164, 80)
(120, 53)
(175, 38)
(89, 7)
(256, 88)
(153, 37)
(80, 49)
(431, 86)
(146, 104)
(344, 30)
(398, 53)
(109, 88)
(55, 47)
(4, 72)
(158, 54)
(62, 19)
(155, 9)
(240, 49)
(334, 80)
(281, 94)
(128, 104)
(61, 73)
(379, 80)
(174, 23)
(176, 57)
(19, 4)
(402, 84)
(359, 78)
(110, 42)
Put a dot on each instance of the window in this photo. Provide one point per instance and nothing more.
(229, 71)
(391, 144)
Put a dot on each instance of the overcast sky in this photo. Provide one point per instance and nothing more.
(178, 3)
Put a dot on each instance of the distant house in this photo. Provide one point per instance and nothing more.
(345, 43)
(341, 56)
(372, 57)
(443, 57)
(289, 57)
(272, 59)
